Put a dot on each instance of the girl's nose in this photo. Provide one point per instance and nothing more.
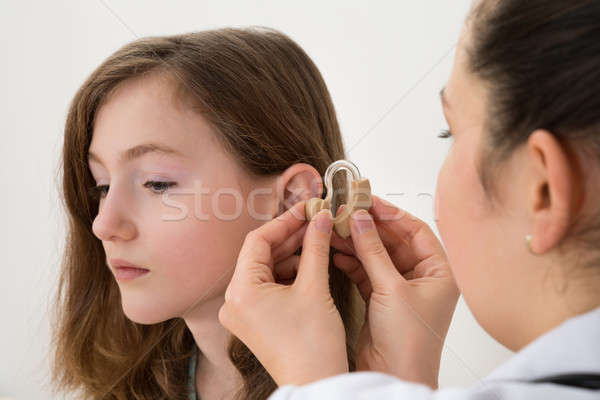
(113, 222)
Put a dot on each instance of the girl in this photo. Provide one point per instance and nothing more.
(517, 206)
(176, 147)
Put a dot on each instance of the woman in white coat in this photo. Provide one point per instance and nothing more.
(518, 210)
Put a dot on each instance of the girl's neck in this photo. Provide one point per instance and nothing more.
(214, 369)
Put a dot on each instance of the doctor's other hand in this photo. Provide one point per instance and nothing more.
(403, 274)
(294, 330)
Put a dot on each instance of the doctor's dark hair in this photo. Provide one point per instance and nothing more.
(540, 60)
(270, 108)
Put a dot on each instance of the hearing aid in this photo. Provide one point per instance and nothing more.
(358, 196)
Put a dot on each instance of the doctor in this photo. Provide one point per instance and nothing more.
(518, 210)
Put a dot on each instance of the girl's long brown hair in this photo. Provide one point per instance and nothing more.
(271, 108)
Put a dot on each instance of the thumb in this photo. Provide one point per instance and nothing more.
(313, 267)
(371, 252)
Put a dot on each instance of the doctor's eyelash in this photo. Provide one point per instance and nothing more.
(445, 134)
(100, 191)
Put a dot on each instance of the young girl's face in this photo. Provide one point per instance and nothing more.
(188, 241)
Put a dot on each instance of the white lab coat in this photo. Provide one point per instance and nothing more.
(571, 347)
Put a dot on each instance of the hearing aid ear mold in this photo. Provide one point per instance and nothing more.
(359, 197)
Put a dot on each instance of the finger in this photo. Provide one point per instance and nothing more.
(410, 275)
(286, 269)
(408, 239)
(287, 282)
(313, 269)
(343, 245)
(254, 263)
(371, 252)
(259, 243)
(402, 224)
(290, 246)
(278, 230)
(353, 268)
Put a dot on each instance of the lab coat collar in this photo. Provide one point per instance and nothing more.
(571, 347)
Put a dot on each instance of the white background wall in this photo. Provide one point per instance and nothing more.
(384, 63)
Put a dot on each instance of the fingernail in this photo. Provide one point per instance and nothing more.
(324, 221)
(362, 221)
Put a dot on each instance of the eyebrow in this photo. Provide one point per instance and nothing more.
(443, 98)
(138, 151)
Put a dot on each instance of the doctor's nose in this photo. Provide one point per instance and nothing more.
(113, 222)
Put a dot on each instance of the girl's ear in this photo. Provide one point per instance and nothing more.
(299, 182)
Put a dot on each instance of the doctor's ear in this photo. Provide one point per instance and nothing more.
(298, 182)
(556, 194)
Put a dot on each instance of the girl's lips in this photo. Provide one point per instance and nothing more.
(128, 273)
(119, 262)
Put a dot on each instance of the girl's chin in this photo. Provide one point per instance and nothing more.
(145, 315)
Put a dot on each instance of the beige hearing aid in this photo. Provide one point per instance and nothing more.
(359, 197)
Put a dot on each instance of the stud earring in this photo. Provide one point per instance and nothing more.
(528, 240)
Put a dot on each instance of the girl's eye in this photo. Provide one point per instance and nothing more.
(97, 192)
(445, 134)
(160, 187)
(100, 191)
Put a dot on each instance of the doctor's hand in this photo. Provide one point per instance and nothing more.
(402, 273)
(295, 330)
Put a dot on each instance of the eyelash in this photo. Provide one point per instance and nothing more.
(97, 192)
(445, 134)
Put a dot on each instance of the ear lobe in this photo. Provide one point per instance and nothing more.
(297, 183)
(554, 202)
